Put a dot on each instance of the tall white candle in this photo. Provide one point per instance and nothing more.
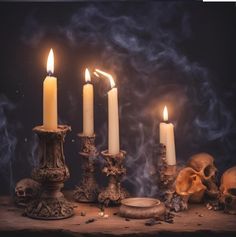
(88, 99)
(167, 138)
(113, 116)
(50, 96)
(113, 122)
(170, 145)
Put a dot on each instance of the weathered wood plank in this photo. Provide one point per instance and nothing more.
(198, 221)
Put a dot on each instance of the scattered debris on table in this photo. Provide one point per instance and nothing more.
(101, 213)
(214, 205)
(152, 222)
(90, 221)
(83, 213)
(176, 203)
(168, 218)
(11, 209)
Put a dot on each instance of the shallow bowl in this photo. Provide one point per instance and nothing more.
(141, 208)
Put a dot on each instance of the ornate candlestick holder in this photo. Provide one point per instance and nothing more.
(51, 173)
(114, 169)
(88, 190)
(167, 176)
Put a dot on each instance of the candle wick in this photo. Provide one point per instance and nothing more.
(50, 73)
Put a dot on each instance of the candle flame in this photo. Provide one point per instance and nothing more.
(50, 62)
(165, 114)
(109, 76)
(87, 75)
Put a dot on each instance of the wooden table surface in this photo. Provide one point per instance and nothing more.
(198, 220)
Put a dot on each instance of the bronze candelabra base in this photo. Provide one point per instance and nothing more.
(167, 176)
(88, 190)
(114, 169)
(51, 173)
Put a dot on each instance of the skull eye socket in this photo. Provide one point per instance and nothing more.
(232, 191)
(20, 193)
(228, 200)
(208, 171)
(29, 191)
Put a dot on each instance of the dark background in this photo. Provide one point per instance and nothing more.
(177, 53)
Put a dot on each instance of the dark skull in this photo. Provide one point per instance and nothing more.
(25, 191)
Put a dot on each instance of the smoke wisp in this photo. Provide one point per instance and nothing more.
(140, 47)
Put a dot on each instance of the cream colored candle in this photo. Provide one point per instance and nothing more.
(88, 117)
(113, 116)
(113, 122)
(170, 145)
(163, 127)
(167, 138)
(50, 96)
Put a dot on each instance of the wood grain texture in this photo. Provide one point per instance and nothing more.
(198, 220)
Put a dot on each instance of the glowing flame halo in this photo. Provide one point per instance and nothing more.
(87, 76)
(50, 62)
(107, 75)
(165, 114)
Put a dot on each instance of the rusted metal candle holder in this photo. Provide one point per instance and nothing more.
(51, 173)
(88, 190)
(167, 175)
(114, 169)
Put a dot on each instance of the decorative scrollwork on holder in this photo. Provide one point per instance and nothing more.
(51, 173)
(114, 169)
(88, 189)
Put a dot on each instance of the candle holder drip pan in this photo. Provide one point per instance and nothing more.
(141, 208)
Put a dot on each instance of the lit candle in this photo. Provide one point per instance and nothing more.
(88, 119)
(167, 138)
(50, 96)
(163, 126)
(113, 116)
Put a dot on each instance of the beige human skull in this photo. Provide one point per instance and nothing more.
(228, 190)
(203, 164)
(189, 185)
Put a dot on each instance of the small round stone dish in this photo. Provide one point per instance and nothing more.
(141, 208)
